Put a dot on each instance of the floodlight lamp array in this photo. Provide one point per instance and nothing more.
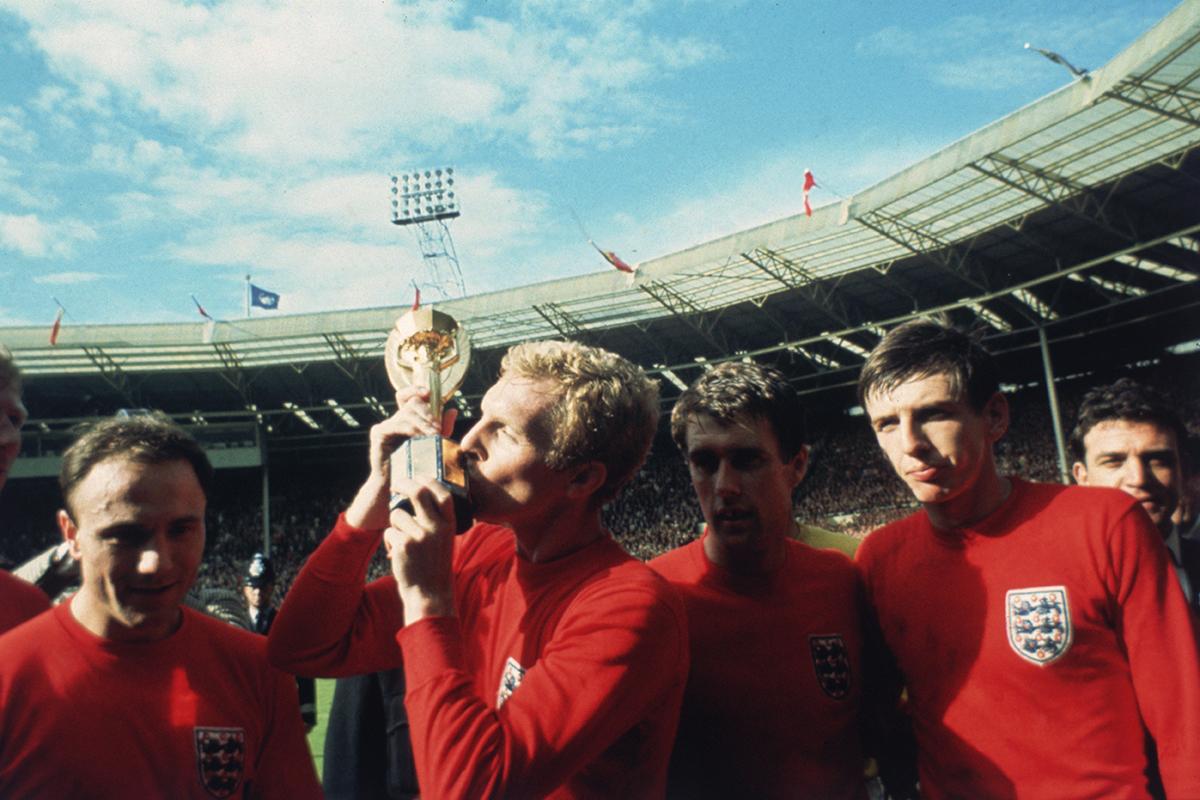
(424, 196)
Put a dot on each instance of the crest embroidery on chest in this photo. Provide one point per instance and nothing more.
(1038, 622)
(510, 679)
(831, 660)
(221, 758)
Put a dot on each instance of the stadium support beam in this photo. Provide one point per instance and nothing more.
(232, 372)
(1052, 401)
(1158, 98)
(952, 258)
(1057, 190)
(113, 375)
(350, 361)
(684, 309)
(557, 317)
(793, 275)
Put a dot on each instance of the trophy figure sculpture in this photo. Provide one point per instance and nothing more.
(430, 349)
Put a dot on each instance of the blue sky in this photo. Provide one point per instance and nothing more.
(152, 150)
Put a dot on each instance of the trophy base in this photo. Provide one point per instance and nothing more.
(434, 457)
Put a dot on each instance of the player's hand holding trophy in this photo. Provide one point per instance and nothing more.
(429, 349)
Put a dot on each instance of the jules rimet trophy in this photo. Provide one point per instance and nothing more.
(428, 348)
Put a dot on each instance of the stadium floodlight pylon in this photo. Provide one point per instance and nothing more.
(426, 200)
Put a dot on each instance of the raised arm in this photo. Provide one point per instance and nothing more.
(331, 624)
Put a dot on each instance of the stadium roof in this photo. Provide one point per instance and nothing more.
(1075, 217)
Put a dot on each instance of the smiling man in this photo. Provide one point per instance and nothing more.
(540, 659)
(121, 691)
(1039, 627)
(1130, 438)
(773, 698)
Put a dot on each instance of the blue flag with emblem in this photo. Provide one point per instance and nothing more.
(263, 299)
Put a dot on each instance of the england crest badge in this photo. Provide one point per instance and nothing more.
(831, 660)
(1039, 623)
(221, 759)
(510, 679)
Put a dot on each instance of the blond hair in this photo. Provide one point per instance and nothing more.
(606, 411)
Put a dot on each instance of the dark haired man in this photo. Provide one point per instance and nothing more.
(773, 696)
(122, 691)
(540, 659)
(19, 600)
(1129, 437)
(1039, 627)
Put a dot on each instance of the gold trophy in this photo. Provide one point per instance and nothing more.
(430, 349)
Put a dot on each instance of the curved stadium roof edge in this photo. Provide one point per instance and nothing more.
(1089, 133)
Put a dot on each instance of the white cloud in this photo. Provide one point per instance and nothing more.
(311, 272)
(29, 236)
(139, 159)
(13, 132)
(294, 82)
(336, 247)
(993, 72)
(889, 41)
(57, 278)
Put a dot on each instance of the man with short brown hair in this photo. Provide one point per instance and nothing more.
(121, 691)
(773, 706)
(1039, 628)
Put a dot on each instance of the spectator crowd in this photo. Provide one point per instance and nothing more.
(850, 488)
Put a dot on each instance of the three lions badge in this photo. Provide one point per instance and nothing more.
(221, 758)
(510, 679)
(1038, 623)
(831, 660)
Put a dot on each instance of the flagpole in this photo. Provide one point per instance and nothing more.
(247, 296)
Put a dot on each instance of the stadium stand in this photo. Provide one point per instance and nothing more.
(850, 488)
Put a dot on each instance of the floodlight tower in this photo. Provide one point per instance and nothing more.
(425, 200)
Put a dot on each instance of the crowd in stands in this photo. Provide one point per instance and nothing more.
(850, 488)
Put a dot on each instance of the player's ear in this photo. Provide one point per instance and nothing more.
(996, 412)
(588, 479)
(1079, 473)
(70, 532)
(799, 465)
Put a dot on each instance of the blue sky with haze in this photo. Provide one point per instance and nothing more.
(151, 150)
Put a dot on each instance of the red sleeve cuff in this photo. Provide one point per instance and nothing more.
(431, 647)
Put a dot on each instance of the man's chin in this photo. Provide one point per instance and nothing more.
(739, 530)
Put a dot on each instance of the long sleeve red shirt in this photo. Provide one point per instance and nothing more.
(560, 679)
(1039, 645)
(199, 714)
(773, 696)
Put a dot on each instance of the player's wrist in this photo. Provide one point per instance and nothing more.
(369, 508)
(419, 604)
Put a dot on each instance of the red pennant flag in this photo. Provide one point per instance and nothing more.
(416, 298)
(809, 183)
(200, 308)
(56, 327)
(612, 258)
